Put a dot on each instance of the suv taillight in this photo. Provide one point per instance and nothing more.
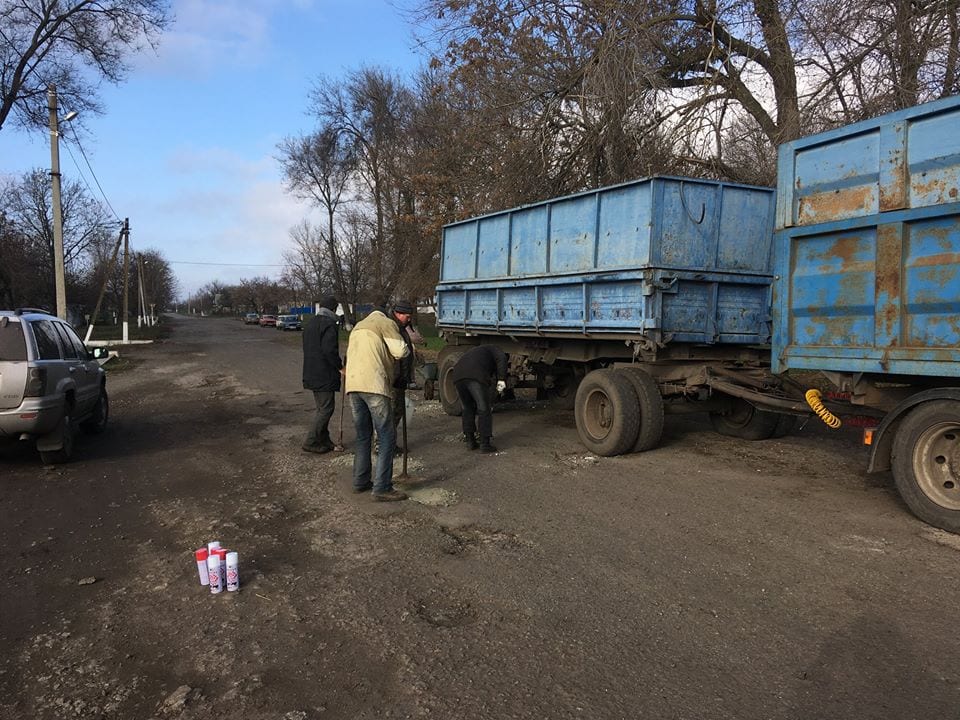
(36, 383)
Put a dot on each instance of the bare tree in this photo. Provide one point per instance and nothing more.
(319, 167)
(159, 279)
(307, 264)
(372, 109)
(23, 280)
(260, 293)
(26, 202)
(874, 57)
(74, 45)
(577, 92)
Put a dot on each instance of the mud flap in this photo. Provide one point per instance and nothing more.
(53, 440)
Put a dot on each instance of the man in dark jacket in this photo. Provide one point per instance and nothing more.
(321, 371)
(472, 375)
(403, 370)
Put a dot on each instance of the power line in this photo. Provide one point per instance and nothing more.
(76, 139)
(194, 262)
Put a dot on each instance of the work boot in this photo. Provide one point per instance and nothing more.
(486, 447)
(390, 496)
(471, 440)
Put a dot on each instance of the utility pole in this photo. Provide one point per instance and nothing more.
(126, 279)
(60, 280)
(103, 288)
(142, 316)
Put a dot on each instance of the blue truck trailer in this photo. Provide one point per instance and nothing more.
(867, 287)
(675, 294)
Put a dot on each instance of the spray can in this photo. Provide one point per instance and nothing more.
(213, 545)
(201, 556)
(213, 571)
(222, 554)
(233, 572)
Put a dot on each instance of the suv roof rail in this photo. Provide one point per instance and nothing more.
(22, 310)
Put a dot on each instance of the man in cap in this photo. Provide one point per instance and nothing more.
(375, 344)
(403, 372)
(321, 371)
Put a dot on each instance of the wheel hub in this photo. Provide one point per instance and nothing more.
(599, 414)
(937, 464)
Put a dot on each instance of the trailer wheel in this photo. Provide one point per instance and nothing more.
(744, 421)
(785, 425)
(449, 399)
(926, 463)
(562, 394)
(651, 408)
(607, 412)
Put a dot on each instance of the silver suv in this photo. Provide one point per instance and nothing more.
(49, 383)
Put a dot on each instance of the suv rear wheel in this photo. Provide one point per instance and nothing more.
(97, 422)
(64, 434)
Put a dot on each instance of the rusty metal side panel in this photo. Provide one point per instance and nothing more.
(878, 294)
(907, 159)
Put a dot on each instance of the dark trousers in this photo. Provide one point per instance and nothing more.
(477, 409)
(319, 432)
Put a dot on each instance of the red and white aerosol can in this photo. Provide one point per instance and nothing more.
(213, 572)
(233, 572)
(201, 556)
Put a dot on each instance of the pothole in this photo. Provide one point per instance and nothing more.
(445, 615)
(457, 540)
(433, 497)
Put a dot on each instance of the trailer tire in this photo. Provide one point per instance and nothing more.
(449, 399)
(651, 408)
(926, 463)
(607, 413)
(746, 422)
(785, 425)
(563, 394)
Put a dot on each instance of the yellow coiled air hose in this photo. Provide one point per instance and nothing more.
(813, 400)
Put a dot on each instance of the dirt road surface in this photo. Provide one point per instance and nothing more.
(710, 578)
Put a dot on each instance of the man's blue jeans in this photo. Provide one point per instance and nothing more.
(372, 411)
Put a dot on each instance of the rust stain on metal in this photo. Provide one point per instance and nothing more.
(939, 260)
(888, 281)
(936, 190)
(844, 249)
(938, 277)
(837, 204)
(894, 195)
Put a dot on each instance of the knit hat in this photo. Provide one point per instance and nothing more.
(329, 302)
(403, 306)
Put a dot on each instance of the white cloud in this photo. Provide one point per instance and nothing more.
(208, 34)
(224, 210)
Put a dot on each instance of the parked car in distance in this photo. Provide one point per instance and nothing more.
(49, 383)
(289, 322)
(268, 321)
(251, 319)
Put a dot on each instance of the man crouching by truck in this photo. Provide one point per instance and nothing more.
(472, 375)
(375, 343)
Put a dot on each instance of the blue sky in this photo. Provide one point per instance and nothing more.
(186, 148)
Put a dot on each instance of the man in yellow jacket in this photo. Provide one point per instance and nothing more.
(375, 344)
